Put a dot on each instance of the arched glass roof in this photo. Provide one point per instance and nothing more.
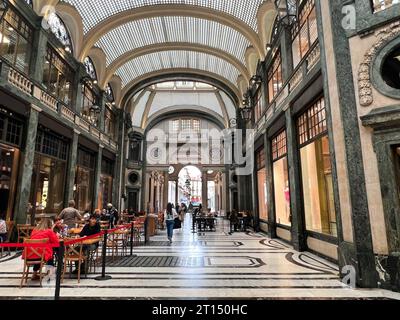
(176, 59)
(150, 31)
(96, 11)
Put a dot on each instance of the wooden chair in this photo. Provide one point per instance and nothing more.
(73, 254)
(10, 229)
(38, 253)
(113, 242)
(24, 231)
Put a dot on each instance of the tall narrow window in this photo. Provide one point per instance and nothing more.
(316, 169)
(109, 123)
(16, 40)
(275, 81)
(90, 111)
(262, 184)
(281, 179)
(90, 69)
(305, 32)
(258, 110)
(58, 77)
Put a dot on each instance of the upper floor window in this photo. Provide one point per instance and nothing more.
(90, 111)
(90, 69)
(29, 2)
(59, 29)
(304, 32)
(185, 126)
(109, 123)
(16, 38)
(58, 77)
(258, 110)
(275, 81)
(379, 5)
(391, 69)
(109, 93)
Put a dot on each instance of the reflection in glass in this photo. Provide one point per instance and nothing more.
(262, 193)
(282, 192)
(9, 159)
(84, 182)
(318, 187)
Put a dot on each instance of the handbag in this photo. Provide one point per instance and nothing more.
(177, 223)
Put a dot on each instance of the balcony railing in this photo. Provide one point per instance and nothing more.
(380, 5)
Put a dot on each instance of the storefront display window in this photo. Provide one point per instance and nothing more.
(11, 130)
(262, 184)
(84, 180)
(49, 172)
(106, 182)
(275, 80)
(281, 179)
(316, 168)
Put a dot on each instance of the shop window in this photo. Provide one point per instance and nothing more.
(304, 32)
(262, 184)
(391, 69)
(16, 40)
(316, 169)
(281, 179)
(275, 81)
(49, 172)
(58, 77)
(397, 168)
(106, 182)
(84, 180)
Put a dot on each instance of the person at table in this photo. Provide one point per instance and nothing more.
(70, 215)
(90, 229)
(170, 215)
(97, 213)
(43, 231)
(3, 229)
(59, 228)
(111, 215)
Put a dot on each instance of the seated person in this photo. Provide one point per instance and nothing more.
(234, 220)
(59, 228)
(90, 229)
(3, 230)
(42, 231)
(97, 213)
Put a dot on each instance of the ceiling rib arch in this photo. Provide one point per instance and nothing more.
(178, 75)
(128, 56)
(124, 17)
(176, 59)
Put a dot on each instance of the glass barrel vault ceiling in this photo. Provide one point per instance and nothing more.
(150, 31)
(95, 11)
(176, 59)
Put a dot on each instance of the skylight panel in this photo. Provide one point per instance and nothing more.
(136, 34)
(94, 12)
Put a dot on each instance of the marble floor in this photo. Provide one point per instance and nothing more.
(212, 265)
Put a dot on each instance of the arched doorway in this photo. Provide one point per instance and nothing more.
(190, 185)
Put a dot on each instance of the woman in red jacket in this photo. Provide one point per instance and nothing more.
(42, 231)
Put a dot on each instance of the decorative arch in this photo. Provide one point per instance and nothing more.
(170, 10)
(177, 75)
(265, 19)
(252, 60)
(99, 60)
(180, 46)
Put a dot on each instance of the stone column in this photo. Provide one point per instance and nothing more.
(39, 55)
(120, 161)
(26, 168)
(97, 176)
(204, 189)
(71, 170)
(299, 240)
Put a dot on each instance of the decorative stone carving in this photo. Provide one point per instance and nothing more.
(364, 73)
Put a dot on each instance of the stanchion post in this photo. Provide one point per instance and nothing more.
(60, 265)
(103, 276)
(145, 228)
(132, 227)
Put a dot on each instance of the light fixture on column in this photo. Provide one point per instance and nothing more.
(287, 11)
(255, 80)
(245, 110)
